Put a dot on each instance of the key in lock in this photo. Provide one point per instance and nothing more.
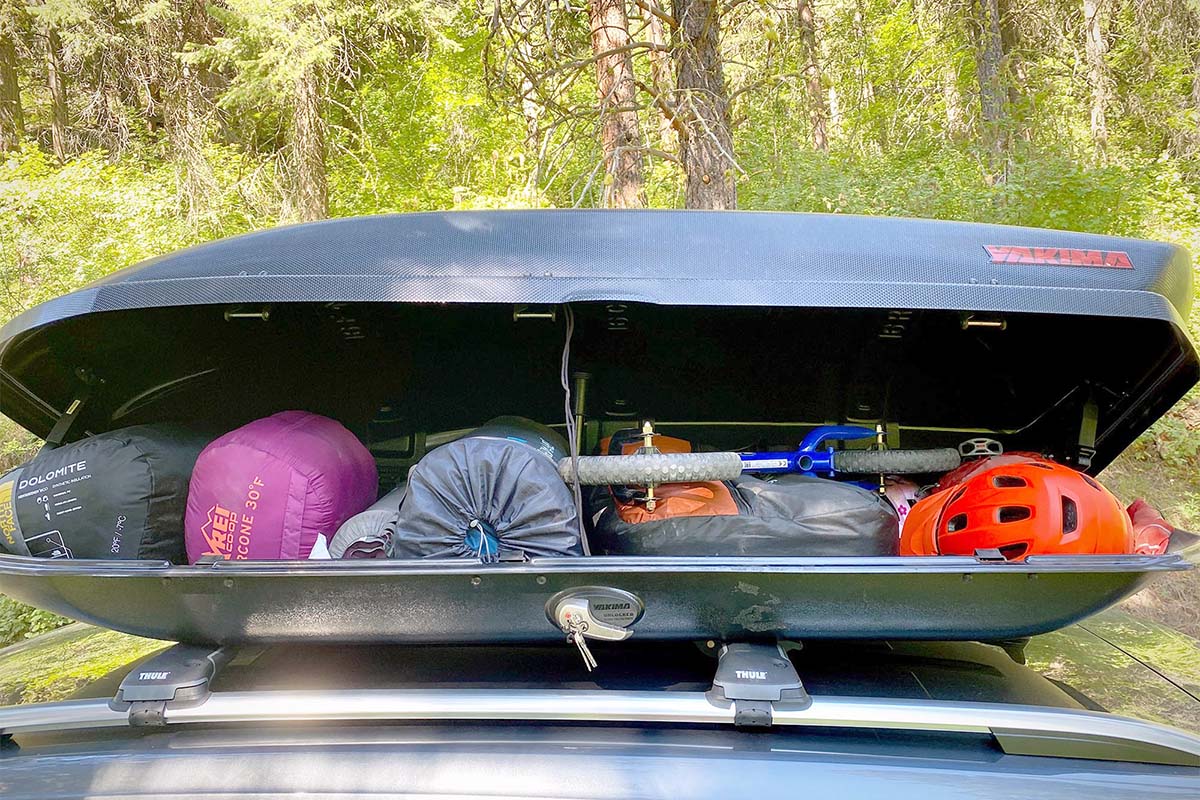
(574, 617)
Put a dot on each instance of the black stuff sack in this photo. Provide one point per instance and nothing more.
(494, 495)
(119, 494)
(790, 515)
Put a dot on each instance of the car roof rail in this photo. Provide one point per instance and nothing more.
(755, 686)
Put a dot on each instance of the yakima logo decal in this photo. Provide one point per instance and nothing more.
(613, 606)
(1058, 257)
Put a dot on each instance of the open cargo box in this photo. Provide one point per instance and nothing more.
(730, 328)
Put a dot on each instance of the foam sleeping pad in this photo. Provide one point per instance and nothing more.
(269, 489)
(368, 534)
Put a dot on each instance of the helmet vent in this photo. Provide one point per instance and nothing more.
(1011, 552)
(1040, 466)
(1009, 482)
(1014, 513)
(1090, 482)
(1070, 515)
(956, 523)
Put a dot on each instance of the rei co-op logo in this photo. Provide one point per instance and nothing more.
(1058, 257)
(227, 533)
(218, 532)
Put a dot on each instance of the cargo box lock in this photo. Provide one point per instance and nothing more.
(594, 612)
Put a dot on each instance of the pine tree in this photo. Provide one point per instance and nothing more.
(705, 140)
(620, 135)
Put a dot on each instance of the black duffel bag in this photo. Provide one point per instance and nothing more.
(119, 494)
(788, 515)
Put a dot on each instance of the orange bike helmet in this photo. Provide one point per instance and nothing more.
(1022, 505)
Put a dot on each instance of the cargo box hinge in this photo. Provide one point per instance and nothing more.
(1089, 421)
(64, 423)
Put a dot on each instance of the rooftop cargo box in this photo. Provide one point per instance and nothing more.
(723, 327)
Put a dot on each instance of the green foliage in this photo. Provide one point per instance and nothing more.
(433, 140)
(16, 444)
(1172, 442)
(61, 227)
(19, 621)
(54, 667)
(1133, 197)
(268, 45)
(179, 113)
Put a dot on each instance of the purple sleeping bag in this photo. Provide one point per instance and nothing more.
(270, 488)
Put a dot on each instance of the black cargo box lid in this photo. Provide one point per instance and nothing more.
(923, 324)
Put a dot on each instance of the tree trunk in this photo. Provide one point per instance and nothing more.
(310, 198)
(12, 116)
(1097, 71)
(812, 75)
(1196, 94)
(531, 111)
(660, 77)
(58, 95)
(187, 116)
(1010, 45)
(186, 124)
(956, 116)
(1014, 72)
(835, 111)
(866, 89)
(706, 142)
(620, 138)
(989, 57)
(934, 14)
(531, 108)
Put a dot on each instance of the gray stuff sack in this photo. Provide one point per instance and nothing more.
(494, 495)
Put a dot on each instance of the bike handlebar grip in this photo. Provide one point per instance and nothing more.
(640, 470)
(896, 462)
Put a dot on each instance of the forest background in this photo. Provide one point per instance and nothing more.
(129, 129)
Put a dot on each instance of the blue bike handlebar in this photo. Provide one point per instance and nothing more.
(809, 459)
